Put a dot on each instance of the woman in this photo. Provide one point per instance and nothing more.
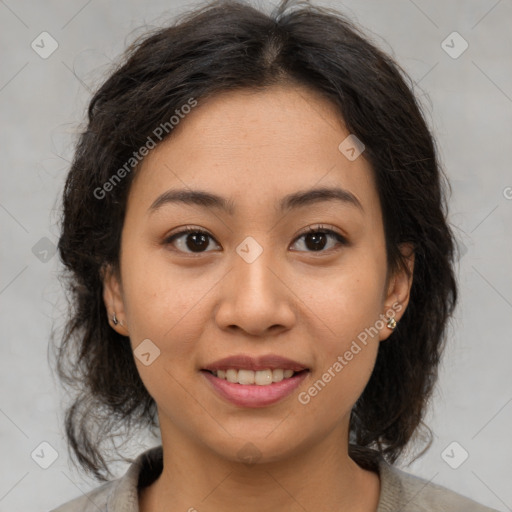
(255, 232)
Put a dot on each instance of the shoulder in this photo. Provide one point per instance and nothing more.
(122, 493)
(403, 491)
(94, 501)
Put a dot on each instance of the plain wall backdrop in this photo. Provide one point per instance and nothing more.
(467, 93)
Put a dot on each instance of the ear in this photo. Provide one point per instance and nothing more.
(398, 291)
(113, 299)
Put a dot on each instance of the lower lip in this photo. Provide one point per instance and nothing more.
(252, 395)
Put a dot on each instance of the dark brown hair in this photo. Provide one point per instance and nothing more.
(224, 46)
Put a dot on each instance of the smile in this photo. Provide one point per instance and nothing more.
(257, 388)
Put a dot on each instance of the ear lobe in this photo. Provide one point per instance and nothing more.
(113, 299)
(399, 289)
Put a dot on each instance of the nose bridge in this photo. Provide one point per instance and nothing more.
(255, 299)
(252, 265)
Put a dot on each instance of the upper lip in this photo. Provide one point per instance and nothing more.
(246, 362)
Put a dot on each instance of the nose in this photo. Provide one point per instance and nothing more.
(256, 297)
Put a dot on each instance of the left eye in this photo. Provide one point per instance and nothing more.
(316, 238)
(197, 240)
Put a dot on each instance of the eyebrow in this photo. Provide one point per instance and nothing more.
(289, 202)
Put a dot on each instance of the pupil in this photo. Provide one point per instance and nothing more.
(318, 237)
(203, 242)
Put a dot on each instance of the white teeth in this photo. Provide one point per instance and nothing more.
(259, 377)
(246, 377)
(232, 376)
(277, 375)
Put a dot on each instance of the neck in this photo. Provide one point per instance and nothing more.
(321, 477)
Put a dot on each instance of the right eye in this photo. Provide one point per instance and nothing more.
(194, 239)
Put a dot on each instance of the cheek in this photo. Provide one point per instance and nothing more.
(344, 307)
(345, 300)
(166, 308)
(346, 316)
(164, 303)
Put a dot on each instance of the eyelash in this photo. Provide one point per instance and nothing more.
(310, 230)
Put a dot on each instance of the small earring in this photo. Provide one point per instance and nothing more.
(391, 323)
(115, 321)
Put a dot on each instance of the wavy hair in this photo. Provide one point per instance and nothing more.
(224, 46)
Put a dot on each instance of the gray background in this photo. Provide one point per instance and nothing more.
(468, 100)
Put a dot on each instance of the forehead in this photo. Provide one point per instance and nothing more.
(255, 147)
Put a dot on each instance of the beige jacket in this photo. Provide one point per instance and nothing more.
(400, 491)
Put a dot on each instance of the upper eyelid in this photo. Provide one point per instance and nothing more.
(191, 229)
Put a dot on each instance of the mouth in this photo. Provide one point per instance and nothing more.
(248, 381)
(253, 389)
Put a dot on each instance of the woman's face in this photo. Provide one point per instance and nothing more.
(256, 284)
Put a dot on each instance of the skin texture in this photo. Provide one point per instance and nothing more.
(254, 147)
